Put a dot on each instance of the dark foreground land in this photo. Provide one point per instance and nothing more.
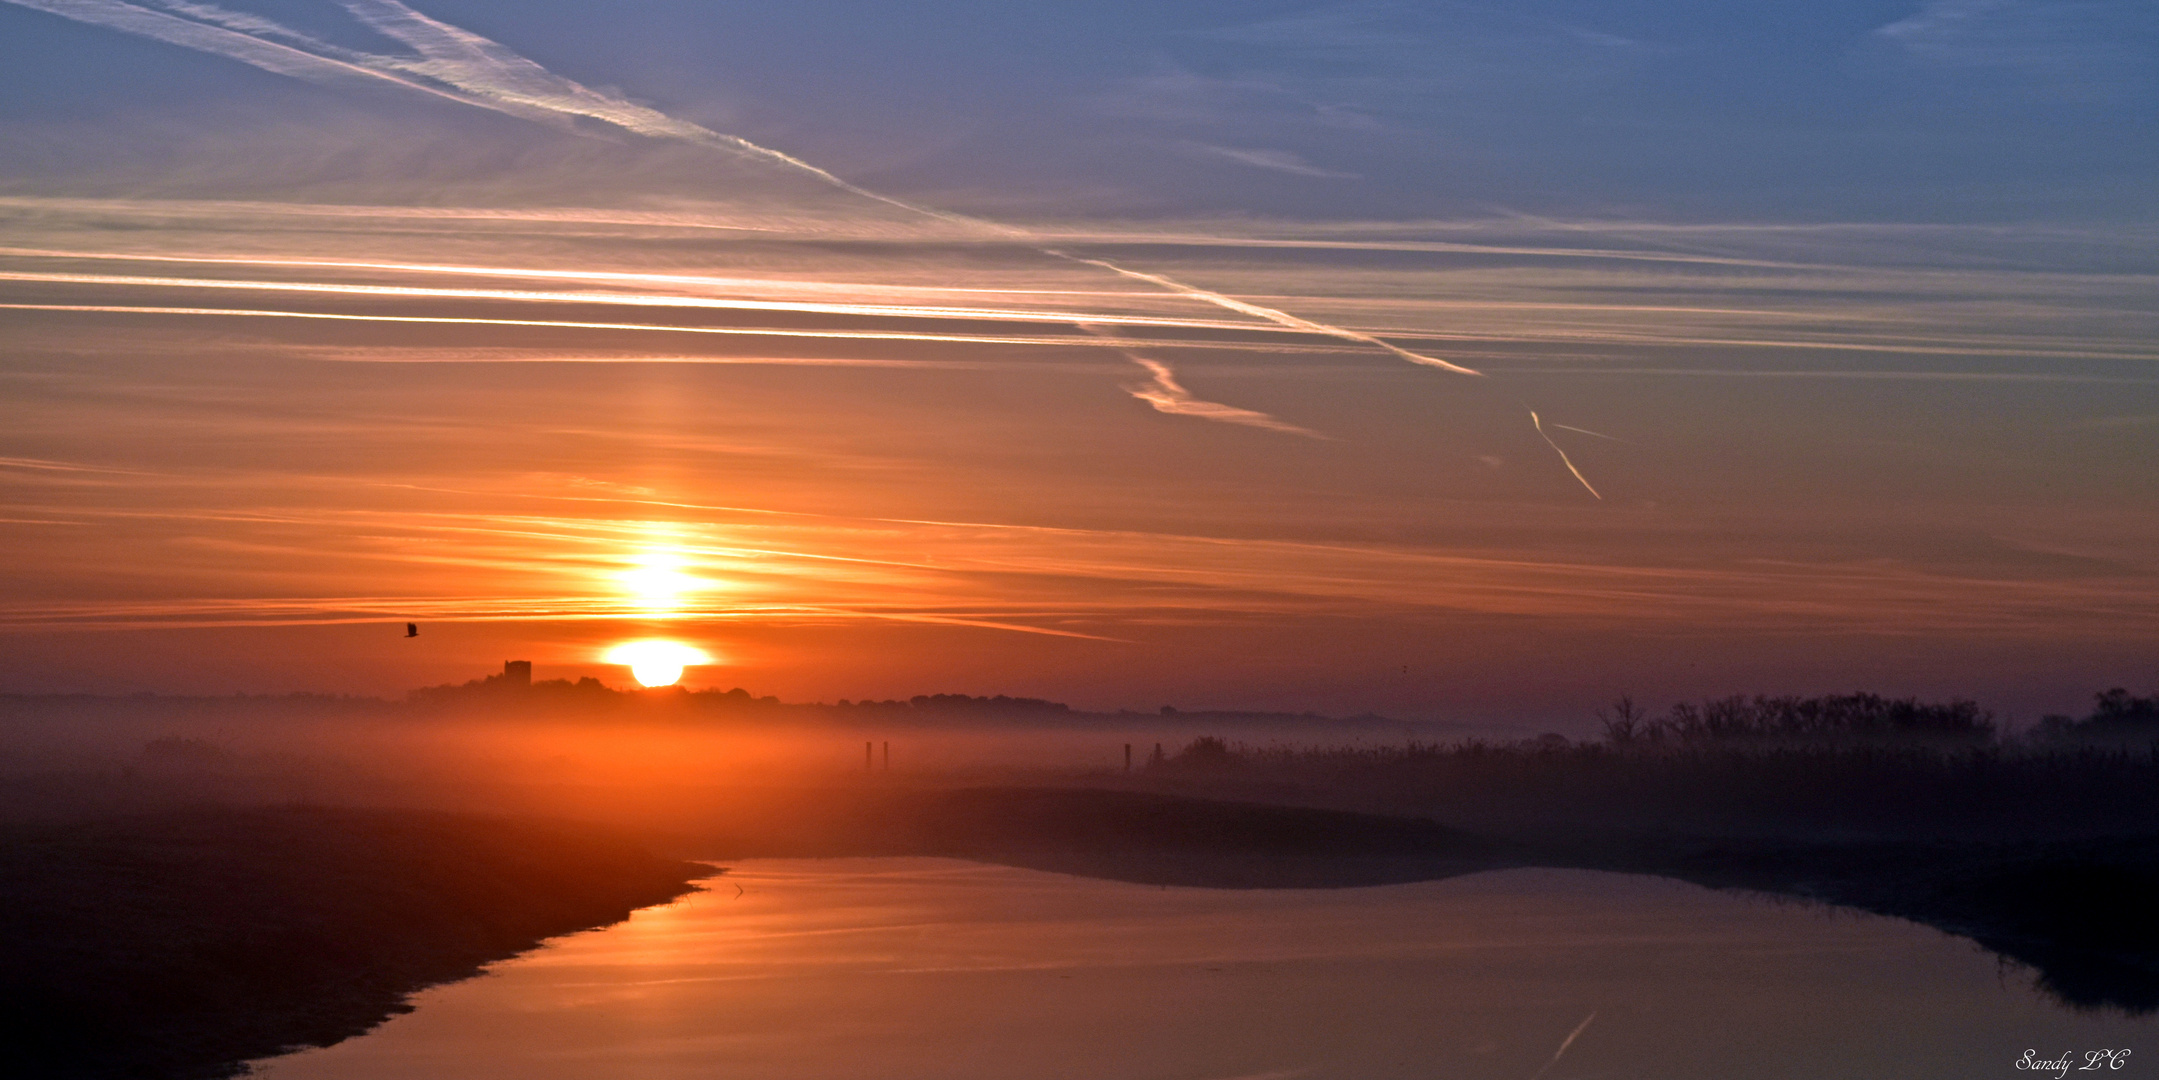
(180, 944)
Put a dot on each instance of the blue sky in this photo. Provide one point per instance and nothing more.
(1944, 111)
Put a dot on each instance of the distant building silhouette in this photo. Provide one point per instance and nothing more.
(517, 673)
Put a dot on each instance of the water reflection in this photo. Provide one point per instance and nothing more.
(937, 968)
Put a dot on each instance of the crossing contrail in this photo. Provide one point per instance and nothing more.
(457, 64)
(1563, 458)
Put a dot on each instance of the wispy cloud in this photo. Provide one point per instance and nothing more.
(1282, 161)
(254, 41)
(452, 63)
(1166, 394)
(1968, 294)
(1183, 98)
(2077, 47)
(629, 299)
(458, 64)
(792, 569)
(572, 324)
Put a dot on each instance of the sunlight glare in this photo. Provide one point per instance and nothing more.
(657, 583)
(656, 663)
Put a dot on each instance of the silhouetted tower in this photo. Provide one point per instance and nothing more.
(517, 673)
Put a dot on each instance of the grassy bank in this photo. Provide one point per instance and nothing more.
(180, 944)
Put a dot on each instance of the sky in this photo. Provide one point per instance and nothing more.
(1458, 361)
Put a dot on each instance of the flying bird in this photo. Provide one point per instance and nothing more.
(412, 629)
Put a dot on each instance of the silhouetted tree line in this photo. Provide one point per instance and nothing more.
(502, 688)
(1861, 715)
(2114, 712)
(1859, 763)
(587, 691)
(496, 685)
(964, 705)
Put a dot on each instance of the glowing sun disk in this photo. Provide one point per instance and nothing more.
(656, 663)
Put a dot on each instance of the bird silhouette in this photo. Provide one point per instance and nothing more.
(412, 629)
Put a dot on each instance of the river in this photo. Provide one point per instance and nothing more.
(929, 968)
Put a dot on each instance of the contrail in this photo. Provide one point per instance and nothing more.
(466, 67)
(315, 61)
(500, 78)
(457, 64)
(1564, 459)
(1279, 318)
(665, 328)
(624, 299)
(1586, 431)
(1565, 1043)
(854, 288)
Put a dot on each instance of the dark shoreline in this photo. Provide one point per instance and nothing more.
(179, 945)
(2077, 914)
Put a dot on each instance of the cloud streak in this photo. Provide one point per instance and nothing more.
(457, 64)
(664, 328)
(1166, 394)
(1282, 161)
(1099, 583)
(602, 298)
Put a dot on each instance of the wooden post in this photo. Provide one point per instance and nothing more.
(1128, 757)
(866, 766)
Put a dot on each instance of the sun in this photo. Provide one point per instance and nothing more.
(657, 583)
(656, 663)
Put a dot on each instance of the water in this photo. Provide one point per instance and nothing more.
(920, 968)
